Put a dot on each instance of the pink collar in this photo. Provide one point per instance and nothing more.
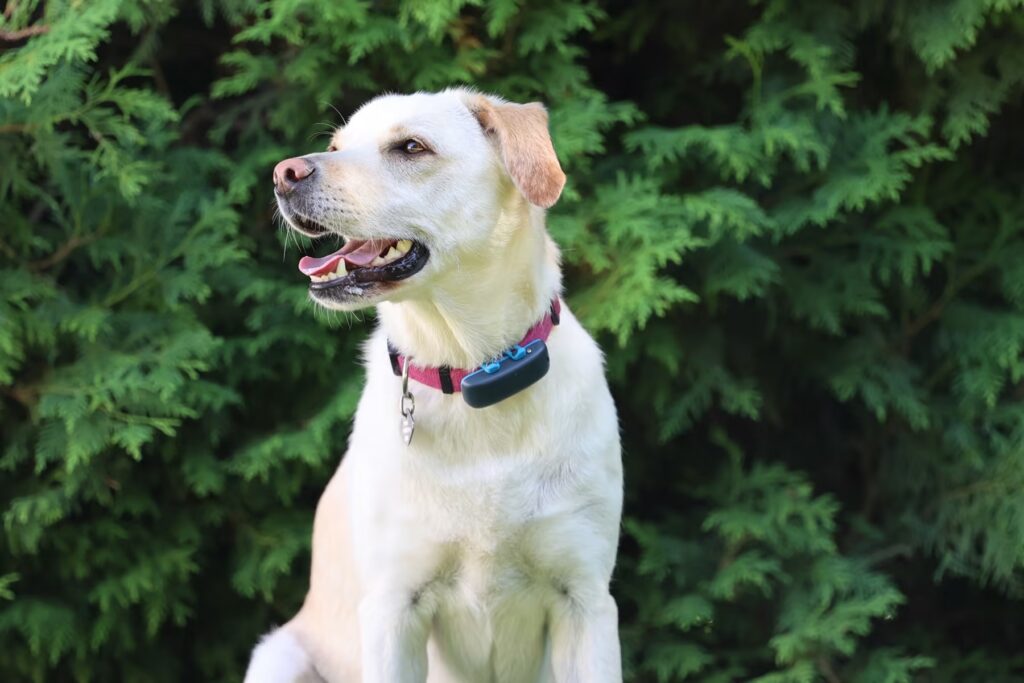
(449, 380)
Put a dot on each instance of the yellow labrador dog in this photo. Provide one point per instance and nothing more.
(471, 529)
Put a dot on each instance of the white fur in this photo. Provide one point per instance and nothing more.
(279, 657)
(482, 552)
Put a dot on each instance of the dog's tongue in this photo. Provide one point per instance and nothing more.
(356, 253)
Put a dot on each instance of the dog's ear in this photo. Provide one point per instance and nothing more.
(521, 133)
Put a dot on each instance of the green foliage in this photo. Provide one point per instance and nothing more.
(796, 228)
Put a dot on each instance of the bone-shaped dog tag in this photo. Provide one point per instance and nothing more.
(408, 427)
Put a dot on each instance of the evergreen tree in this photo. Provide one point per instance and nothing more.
(796, 227)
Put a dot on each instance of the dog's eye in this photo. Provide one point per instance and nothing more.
(332, 148)
(412, 146)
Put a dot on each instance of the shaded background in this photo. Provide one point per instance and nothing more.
(796, 227)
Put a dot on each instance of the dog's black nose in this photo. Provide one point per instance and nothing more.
(290, 172)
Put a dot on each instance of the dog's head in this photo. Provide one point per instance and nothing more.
(414, 183)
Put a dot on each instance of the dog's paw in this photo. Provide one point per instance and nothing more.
(280, 658)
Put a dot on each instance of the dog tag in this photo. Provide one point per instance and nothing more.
(407, 405)
(408, 427)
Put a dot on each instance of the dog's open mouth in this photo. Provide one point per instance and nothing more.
(310, 227)
(364, 261)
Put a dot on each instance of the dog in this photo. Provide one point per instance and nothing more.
(455, 543)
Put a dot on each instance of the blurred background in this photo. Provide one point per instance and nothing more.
(795, 226)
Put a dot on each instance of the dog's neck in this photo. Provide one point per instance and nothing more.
(485, 302)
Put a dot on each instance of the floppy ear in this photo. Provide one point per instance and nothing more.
(521, 132)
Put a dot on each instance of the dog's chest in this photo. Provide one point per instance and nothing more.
(489, 623)
(488, 507)
(497, 583)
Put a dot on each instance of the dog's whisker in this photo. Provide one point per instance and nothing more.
(340, 115)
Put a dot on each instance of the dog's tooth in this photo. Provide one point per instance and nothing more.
(392, 254)
(377, 261)
(404, 245)
(343, 267)
(315, 278)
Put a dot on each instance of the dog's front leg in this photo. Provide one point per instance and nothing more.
(394, 627)
(584, 631)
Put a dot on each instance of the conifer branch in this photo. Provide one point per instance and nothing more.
(65, 250)
(826, 670)
(119, 295)
(8, 250)
(987, 486)
(933, 313)
(21, 34)
(955, 287)
(26, 395)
